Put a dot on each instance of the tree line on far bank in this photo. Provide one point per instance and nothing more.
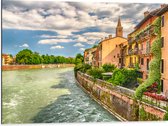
(26, 56)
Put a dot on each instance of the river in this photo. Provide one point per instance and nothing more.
(47, 95)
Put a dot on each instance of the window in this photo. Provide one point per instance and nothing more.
(162, 21)
(114, 56)
(162, 66)
(162, 85)
(118, 55)
(141, 46)
(147, 64)
(142, 61)
(116, 45)
(119, 60)
(162, 42)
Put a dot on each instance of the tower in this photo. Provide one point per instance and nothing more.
(119, 29)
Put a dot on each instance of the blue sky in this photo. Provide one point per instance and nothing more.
(64, 28)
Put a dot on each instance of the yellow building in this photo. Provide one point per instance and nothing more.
(132, 57)
(109, 51)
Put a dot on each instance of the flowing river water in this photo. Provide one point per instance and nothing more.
(46, 96)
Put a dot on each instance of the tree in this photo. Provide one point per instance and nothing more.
(79, 58)
(24, 57)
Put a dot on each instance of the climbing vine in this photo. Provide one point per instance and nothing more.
(154, 66)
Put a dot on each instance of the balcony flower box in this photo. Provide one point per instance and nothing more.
(156, 96)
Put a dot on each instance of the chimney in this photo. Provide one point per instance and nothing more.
(146, 13)
(163, 5)
(110, 36)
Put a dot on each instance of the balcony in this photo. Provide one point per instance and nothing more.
(135, 51)
(131, 40)
(152, 30)
(130, 52)
(131, 65)
(144, 51)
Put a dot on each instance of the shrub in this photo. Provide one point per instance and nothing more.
(77, 68)
(123, 77)
(118, 78)
(140, 80)
(109, 67)
(82, 67)
(166, 116)
(85, 68)
(96, 72)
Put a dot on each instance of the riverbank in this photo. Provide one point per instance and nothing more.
(21, 67)
(120, 101)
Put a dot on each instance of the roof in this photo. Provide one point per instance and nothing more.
(156, 12)
(151, 14)
(163, 10)
(113, 38)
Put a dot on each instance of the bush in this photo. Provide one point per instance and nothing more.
(86, 67)
(123, 77)
(77, 68)
(118, 78)
(95, 72)
(140, 80)
(82, 67)
(109, 67)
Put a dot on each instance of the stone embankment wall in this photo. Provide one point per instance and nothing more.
(19, 67)
(119, 100)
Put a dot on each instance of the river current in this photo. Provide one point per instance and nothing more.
(46, 96)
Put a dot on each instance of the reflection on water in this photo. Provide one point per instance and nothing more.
(47, 95)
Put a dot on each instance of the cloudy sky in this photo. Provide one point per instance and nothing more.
(64, 28)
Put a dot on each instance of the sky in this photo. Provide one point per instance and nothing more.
(64, 28)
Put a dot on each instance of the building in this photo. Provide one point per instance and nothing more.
(6, 59)
(109, 50)
(140, 41)
(88, 55)
(123, 54)
(164, 48)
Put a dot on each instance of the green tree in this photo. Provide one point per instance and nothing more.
(79, 58)
(24, 57)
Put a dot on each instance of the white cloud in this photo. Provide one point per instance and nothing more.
(53, 36)
(79, 45)
(54, 41)
(24, 45)
(57, 47)
(82, 49)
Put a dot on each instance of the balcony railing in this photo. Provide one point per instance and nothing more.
(131, 65)
(130, 52)
(135, 51)
(144, 51)
(144, 35)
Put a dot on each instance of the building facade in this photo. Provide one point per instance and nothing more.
(164, 49)
(89, 56)
(109, 49)
(6, 59)
(140, 41)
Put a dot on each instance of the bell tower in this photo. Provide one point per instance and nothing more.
(119, 29)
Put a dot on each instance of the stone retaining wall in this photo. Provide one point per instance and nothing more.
(119, 100)
(19, 67)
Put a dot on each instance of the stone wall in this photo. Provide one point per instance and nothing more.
(119, 100)
(19, 67)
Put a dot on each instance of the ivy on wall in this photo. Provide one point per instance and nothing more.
(154, 66)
